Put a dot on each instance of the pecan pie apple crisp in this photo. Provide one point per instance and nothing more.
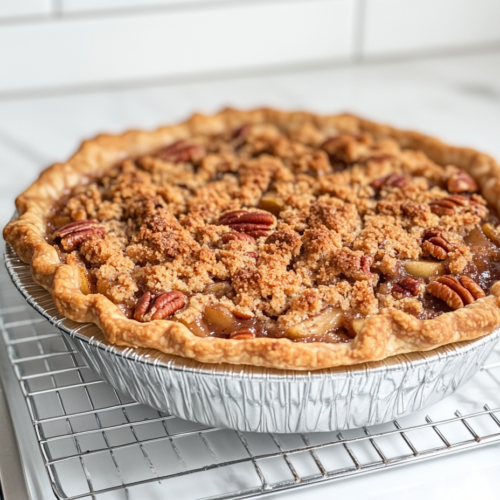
(267, 238)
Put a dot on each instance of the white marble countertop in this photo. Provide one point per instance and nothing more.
(456, 98)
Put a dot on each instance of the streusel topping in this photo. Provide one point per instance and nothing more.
(283, 233)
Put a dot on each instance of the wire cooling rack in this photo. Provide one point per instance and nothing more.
(79, 438)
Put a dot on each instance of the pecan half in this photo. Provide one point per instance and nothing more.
(256, 224)
(436, 244)
(182, 151)
(244, 334)
(476, 291)
(461, 182)
(142, 306)
(414, 210)
(160, 306)
(391, 180)
(455, 293)
(407, 287)
(447, 206)
(226, 238)
(72, 235)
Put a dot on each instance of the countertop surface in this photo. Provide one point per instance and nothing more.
(456, 98)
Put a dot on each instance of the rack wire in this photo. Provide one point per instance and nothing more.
(96, 443)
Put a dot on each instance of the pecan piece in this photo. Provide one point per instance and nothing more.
(447, 205)
(345, 149)
(461, 182)
(241, 315)
(182, 151)
(239, 135)
(455, 293)
(160, 306)
(252, 255)
(365, 263)
(72, 235)
(255, 224)
(391, 180)
(244, 334)
(226, 238)
(407, 287)
(436, 244)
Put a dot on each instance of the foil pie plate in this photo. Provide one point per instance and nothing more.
(260, 399)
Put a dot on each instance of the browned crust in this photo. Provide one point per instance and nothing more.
(389, 333)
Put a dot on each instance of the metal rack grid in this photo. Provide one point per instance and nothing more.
(95, 443)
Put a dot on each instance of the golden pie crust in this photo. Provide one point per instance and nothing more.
(388, 333)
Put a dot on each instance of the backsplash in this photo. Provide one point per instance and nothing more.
(60, 44)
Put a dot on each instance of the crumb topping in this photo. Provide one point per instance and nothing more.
(263, 230)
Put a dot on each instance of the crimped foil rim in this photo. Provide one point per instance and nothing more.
(158, 359)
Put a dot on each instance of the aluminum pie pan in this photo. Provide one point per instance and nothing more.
(258, 399)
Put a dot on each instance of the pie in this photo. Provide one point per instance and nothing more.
(287, 240)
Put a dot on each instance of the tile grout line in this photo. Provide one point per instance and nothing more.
(359, 25)
(57, 13)
(56, 9)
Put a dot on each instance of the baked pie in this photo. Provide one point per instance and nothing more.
(287, 240)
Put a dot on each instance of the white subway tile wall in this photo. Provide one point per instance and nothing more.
(57, 44)
(80, 51)
(400, 27)
(68, 6)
